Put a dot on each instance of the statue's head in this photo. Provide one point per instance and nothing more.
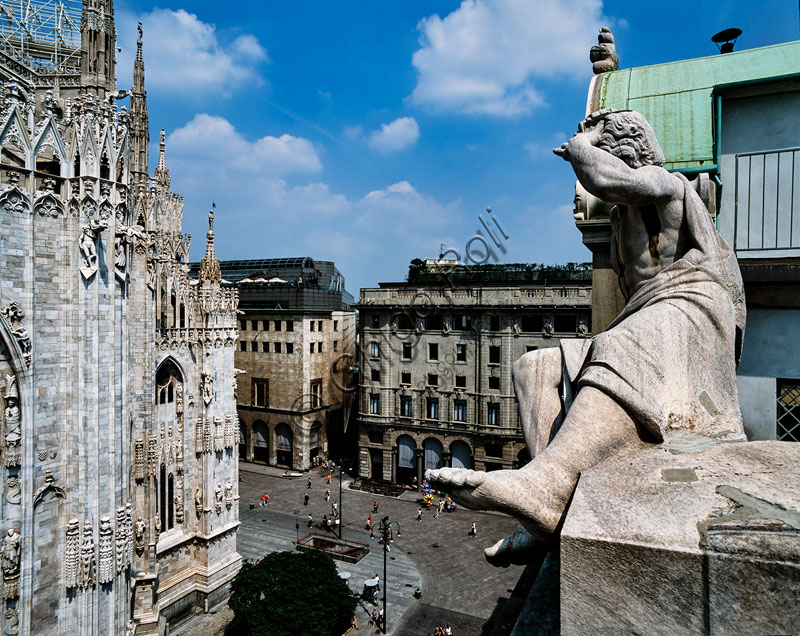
(628, 136)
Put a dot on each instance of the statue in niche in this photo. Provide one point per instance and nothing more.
(72, 553)
(138, 459)
(13, 492)
(665, 367)
(198, 501)
(583, 326)
(87, 556)
(12, 622)
(207, 387)
(228, 492)
(179, 398)
(12, 422)
(157, 528)
(12, 545)
(128, 534)
(218, 498)
(547, 327)
(105, 551)
(88, 246)
(138, 535)
(179, 498)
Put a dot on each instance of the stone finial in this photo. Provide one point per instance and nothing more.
(604, 54)
(210, 271)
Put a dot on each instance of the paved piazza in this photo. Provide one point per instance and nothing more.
(436, 555)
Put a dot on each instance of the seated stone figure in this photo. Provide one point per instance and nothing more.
(666, 365)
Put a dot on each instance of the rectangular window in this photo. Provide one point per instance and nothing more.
(253, 346)
(788, 412)
(289, 347)
(375, 437)
(311, 347)
(565, 323)
(265, 325)
(336, 325)
(494, 323)
(264, 347)
(375, 375)
(276, 325)
(532, 323)
(433, 351)
(433, 379)
(459, 410)
(290, 325)
(242, 345)
(530, 348)
(434, 321)
(316, 393)
(461, 382)
(405, 377)
(405, 406)
(406, 351)
(376, 321)
(319, 347)
(461, 353)
(375, 404)
(276, 347)
(462, 322)
(404, 322)
(493, 414)
(260, 392)
(243, 325)
(319, 325)
(311, 325)
(432, 409)
(374, 350)
(494, 384)
(494, 355)
(336, 345)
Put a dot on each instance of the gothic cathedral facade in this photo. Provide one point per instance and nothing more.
(119, 487)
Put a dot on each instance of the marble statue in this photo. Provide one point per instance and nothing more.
(666, 365)
(88, 247)
(10, 563)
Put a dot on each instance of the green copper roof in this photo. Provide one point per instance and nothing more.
(677, 97)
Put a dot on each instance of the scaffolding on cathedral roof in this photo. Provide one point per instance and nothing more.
(43, 35)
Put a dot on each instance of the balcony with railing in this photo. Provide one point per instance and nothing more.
(766, 204)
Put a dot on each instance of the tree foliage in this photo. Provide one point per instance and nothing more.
(291, 594)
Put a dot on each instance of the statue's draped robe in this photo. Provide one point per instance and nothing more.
(670, 356)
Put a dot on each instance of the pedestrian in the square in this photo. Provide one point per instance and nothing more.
(327, 495)
(436, 513)
(310, 520)
(308, 482)
(265, 500)
(419, 514)
(329, 479)
(448, 631)
(375, 506)
(473, 531)
(369, 521)
(305, 500)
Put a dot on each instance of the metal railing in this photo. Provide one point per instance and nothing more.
(767, 201)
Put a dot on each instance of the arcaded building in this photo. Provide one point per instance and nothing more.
(435, 384)
(294, 358)
(119, 507)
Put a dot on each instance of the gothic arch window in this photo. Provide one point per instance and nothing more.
(105, 171)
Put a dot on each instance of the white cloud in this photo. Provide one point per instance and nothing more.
(184, 55)
(483, 57)
(214, 139)
(397, 135)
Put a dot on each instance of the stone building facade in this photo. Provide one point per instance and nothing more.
(296, 348)
(436, 354)
(119, 426)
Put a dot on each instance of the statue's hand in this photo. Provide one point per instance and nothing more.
(562, 151)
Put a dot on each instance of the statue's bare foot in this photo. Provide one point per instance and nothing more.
(515, 549)
(536, 495)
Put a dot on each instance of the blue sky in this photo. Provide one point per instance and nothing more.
(371, 133)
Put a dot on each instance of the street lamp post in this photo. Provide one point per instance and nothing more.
(385, 528)
(341, 503)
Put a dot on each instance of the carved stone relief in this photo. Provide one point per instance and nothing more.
(138, 535)
(198, 501)
(547, 327)
(14, 315)
(105, 550)
(583, 326)
(198, 436)
(218, 499)
(219, 436)
(179, 498)
(12, 422)
(88, 247)
(128, 534)
(228, 493)
(206, 435)
(152, 456)
(12, 546)
(139, 465)
(12, 622)
(72, 550)
(87, 557)
(179, 398)
(121, 540)
(230, 438)
(56, 489)
(207, 387)
(13, 494)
